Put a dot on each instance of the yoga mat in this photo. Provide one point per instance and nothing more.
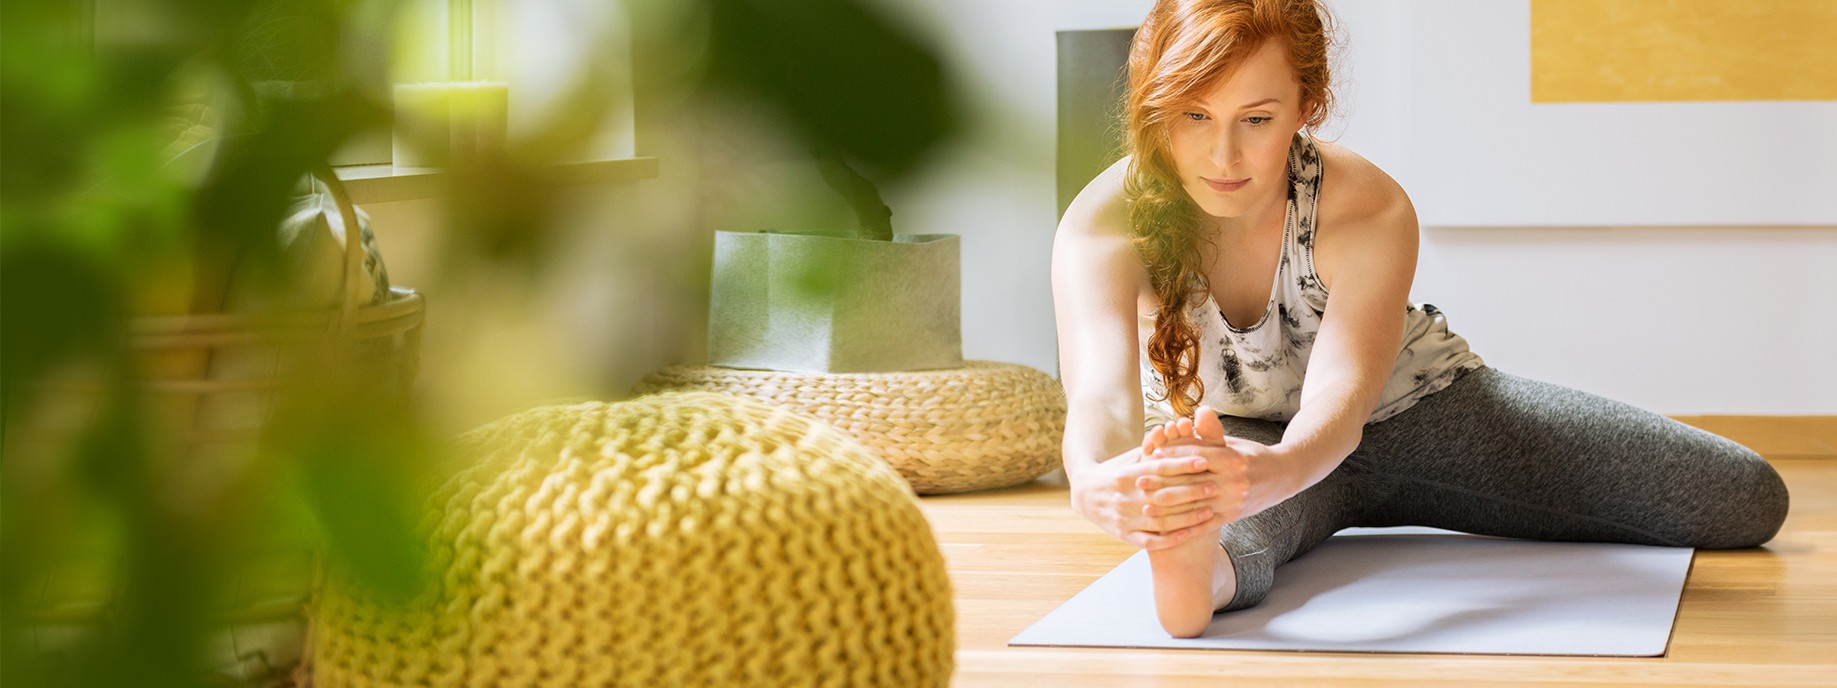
(1412, 589)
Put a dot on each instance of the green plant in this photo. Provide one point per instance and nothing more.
(97, 227)
(874, 220)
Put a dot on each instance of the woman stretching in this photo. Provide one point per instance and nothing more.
(1240, 290)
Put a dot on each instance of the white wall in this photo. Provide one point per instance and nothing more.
(1684, 321)
(1467, 77)
(996, 187)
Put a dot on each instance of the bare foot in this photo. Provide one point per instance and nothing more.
(1177, 431)
(1194, 578)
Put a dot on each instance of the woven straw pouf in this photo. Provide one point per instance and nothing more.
(981, 426)
(681, 539)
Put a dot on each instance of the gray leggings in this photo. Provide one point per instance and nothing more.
(1497, 454)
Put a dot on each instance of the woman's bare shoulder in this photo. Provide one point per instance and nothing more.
(1100, 209)
(1363, 214)
(1353, 187)
(1094, 247)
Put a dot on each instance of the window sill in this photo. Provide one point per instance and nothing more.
(386, 183)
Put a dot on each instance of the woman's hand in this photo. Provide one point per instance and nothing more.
(1242, 477)
(1110, 495)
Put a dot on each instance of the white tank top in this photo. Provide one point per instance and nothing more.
(1256, 372)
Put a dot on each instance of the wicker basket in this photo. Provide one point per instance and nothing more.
(982, 426)
(261, 617)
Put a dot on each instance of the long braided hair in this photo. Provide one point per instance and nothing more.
(1182, 50)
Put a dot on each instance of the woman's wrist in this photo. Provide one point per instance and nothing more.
(1296, 467)
(1077, 471)
(1081, 462)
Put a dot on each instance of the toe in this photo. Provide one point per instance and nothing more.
(1154, 439)
(1206, 424)
(1182, 429)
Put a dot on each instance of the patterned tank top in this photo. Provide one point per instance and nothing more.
(1257, 372)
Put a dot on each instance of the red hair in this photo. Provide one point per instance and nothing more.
(1183, 50)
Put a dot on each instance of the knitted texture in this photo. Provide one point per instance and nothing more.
(981, 426)
(679, 539)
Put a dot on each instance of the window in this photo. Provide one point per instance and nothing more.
(544, 50)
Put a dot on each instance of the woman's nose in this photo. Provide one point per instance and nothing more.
(1224, 152)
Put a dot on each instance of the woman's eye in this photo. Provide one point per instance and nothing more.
(1258, 121)
(1196, 116)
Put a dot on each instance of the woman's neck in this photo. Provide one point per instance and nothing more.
(1267, 217)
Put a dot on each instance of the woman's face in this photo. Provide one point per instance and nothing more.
(1230, 148)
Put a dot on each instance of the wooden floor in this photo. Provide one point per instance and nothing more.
(1765, 616)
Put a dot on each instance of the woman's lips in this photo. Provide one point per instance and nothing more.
(1225, 186)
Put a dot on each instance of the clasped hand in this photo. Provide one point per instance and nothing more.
(1188, 478)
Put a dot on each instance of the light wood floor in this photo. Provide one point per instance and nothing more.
(1765, 616)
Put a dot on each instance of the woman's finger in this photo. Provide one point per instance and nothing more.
(1176, 523)
(1219, 520)
(1169, 466)
(1156, 482)
(1180, 451)
(1159, 511)
(1182, 494)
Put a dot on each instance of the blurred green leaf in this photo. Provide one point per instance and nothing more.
(839, 75)
(96, 224)
(288, 41)
(817, 279)
(158, 611)
(504, 211)
(873, 219)
(57, 304)
(255, 176)
(362, 462)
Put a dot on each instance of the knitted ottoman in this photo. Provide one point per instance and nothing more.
(681, 539)
(981, 426)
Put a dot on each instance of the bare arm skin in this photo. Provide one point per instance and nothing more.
(1366, 255)
(1367, 259)
(1097, 282)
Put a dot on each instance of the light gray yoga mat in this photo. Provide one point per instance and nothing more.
(1412, 590)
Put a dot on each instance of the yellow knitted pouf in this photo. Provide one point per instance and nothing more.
(682, 539)
(981, 426)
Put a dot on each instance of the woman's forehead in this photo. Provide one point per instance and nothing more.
(1262, 76)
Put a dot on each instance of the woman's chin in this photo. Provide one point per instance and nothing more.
(1220, 210)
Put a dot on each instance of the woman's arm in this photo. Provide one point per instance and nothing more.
(1096, 279)
(1368, 251)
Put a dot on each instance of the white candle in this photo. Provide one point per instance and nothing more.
(441, 124)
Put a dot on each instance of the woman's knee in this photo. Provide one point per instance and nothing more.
(1753, 502)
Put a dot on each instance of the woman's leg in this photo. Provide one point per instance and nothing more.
(1274, 536)
(1497, 454)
